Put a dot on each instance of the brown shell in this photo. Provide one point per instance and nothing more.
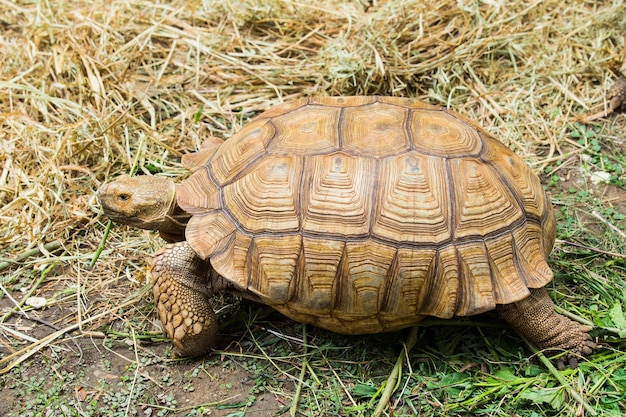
(363, 214)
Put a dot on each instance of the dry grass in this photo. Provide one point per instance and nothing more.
(89, 87)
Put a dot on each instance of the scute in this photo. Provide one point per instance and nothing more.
(306, 131)
(337, 195)
(414, 271)
(240, 151)
(365, 275)
(442, 134)
(413, 200)
(209, 233)
(199, 194)
(530, 257)
(375, 130)
(484, 204)
(522, 182)
(474, 274)
(318, 277)
(273, 267)
(362, 214)
(266, 197)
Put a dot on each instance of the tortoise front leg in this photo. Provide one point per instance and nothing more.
(182, 290)
(535, 318)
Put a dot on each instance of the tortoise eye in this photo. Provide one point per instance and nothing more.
(124, 197)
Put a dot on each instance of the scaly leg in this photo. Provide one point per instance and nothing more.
(535, 318)
(182, 290)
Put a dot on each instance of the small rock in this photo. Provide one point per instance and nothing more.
(600, 177)
(36, 302)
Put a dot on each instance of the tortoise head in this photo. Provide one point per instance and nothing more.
(146, 202)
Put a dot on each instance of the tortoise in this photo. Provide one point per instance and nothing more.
(357, 215)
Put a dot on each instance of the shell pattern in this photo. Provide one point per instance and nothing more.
(364, 214)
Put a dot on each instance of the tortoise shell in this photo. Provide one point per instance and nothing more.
(359, 214)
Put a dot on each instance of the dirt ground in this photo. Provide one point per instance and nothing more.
(100, 377)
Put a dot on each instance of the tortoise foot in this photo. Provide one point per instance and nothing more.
(182, 297)
(535, 319)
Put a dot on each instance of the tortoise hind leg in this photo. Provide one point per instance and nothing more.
(535, 318)
(182, 292)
